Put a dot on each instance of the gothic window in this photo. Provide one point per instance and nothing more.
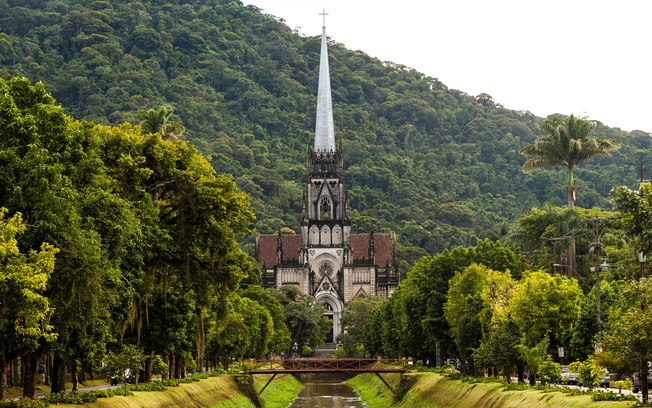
(325, 209)
(328, 306)
(325, 269)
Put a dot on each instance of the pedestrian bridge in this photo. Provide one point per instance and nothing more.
(334, 365)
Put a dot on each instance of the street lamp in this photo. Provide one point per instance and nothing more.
(602, 267)
(295, 348)
(565, 267)
(641, 260)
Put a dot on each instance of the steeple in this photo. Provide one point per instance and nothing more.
(324, 127)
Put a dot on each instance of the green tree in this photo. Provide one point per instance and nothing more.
(628, 338)
(356, 324)
(24, 310)
(534, 356)
(157, 120)
(542, 305)
(280, 340)
(304, 318)
(499, 349)
(568, 142)
(462, 311)
(127, 362)
(49, 166)
(634, 208)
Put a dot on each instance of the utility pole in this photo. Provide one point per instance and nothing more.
(596, 248)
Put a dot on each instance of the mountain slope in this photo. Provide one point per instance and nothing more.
(435, 165)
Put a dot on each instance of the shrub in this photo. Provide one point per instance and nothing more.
(150, 386)
(590, 372)
(625, 384)
(191, 364)
(612, 396)
(159, 366)
(306, 351)
(23, 403)
(549, 371)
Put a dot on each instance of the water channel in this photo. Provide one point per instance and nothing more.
(327, 395)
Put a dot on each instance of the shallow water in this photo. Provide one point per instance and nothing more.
(327, 395)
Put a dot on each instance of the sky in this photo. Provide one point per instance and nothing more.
(589, 58)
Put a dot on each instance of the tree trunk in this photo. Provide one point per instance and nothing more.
(179, 366)
(643, 379)
(199, 338)
(3, 374)
(73, 372)
(571, 190)
(533, 379)
(520, 373)
(166, 375)
(147, 371)
(171, 367)
(58, 374)
(30, 363)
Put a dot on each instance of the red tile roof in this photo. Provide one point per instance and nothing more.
(268, 247)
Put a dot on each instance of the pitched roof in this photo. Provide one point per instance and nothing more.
(268, 248)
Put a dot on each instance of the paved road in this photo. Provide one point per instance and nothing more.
(615, 390)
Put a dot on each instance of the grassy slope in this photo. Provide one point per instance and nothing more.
(280, 392)
(434, 390)
(216, 392)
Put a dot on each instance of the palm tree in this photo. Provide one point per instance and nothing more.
(156, 120)
(567, 142)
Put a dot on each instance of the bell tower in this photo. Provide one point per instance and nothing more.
(325, 226)
(325, 222)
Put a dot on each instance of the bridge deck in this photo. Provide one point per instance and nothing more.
(301, 365)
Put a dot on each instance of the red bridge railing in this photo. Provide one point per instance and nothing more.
(328, 365)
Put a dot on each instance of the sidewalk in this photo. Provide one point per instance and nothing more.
(41, 392)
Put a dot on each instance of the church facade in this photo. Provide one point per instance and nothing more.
(326, 260)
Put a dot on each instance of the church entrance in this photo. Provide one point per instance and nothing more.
(333, 308)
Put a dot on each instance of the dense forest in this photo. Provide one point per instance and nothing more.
(119, 234)
(439, 167)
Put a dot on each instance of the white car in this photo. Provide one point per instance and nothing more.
(569, 378)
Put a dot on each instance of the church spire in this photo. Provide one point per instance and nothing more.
(324, 127)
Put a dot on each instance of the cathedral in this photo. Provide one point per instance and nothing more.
(327, 260)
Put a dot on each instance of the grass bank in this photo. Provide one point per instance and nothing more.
(214, 392)
(280, 392)
(435, 390)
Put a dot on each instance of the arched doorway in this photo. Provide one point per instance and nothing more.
(333, 309)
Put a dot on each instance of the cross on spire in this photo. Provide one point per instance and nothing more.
(324, 14)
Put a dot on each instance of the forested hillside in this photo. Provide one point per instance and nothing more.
(436, 165)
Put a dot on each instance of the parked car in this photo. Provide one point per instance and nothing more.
(569, 378)
(607, 379)
(129, 379)
(637, 382)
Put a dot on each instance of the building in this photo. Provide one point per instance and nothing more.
(327, 260)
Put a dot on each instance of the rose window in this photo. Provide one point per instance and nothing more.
(325, 269)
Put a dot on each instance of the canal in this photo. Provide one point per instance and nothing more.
(336, 394)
